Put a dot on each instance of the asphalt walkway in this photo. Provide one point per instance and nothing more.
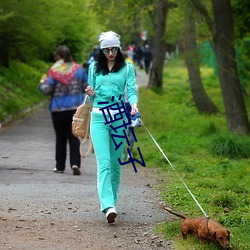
(29, 187)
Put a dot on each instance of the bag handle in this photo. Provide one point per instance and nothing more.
(85, 99)
(91, 148)
(87, 137)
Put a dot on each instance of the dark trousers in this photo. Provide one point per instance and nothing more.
(147, 65)
(62, 122)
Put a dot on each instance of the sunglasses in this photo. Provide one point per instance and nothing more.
(106, 51)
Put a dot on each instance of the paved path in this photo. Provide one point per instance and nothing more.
(26, 163)
(141, 78)
(30, 190)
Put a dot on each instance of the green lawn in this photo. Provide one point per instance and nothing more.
(214, 164)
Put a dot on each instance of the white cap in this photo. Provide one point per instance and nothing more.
(109, 39)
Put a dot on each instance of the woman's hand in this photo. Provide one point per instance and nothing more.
(90, 91)
(43, 79)
(134, 109)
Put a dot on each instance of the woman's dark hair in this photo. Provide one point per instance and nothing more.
(63, 52)
(102, 67)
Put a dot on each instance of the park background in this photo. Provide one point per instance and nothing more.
(199, 135)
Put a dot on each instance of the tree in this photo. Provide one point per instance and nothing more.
(242, 33)
(28, 33)
(127, 17)
(201, 99)
(159, 46)
(223, 38)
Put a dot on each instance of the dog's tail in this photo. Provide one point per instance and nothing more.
(175, 213)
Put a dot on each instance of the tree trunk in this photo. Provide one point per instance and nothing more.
(223, 38)
(201, 99)
(235, 109)
(159, 47)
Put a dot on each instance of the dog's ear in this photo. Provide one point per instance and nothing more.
(228, 237)
(214, 235)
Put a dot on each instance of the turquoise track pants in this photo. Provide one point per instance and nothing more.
(108, 167)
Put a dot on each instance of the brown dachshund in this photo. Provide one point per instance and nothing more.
(204, 229)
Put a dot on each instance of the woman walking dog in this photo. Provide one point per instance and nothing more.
(108, 78)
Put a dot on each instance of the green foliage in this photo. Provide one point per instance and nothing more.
(219, 183)
(128, 18)
(231, 146)
(243, 59)
(175, 25)
(241, 17)
(29, 33)
(224, 200)
(19, 87)
(175, 28)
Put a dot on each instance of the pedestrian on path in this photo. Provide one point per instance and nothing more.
(65, 84)
(147, 54)
(108, 77)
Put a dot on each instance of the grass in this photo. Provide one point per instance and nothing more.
(214, 164)
(19, 88)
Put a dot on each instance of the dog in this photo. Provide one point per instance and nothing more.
(204, 229)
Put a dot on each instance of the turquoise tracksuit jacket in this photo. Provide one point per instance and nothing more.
(113, 85)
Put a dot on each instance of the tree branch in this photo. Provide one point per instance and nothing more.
(202, 9)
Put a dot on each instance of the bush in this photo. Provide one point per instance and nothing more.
(223, 200)
(231, 146)
(19, 88)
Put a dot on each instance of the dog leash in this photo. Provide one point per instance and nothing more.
(174, 170)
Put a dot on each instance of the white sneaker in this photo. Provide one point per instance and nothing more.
(128, 157)
(58, 171)
(111, 214)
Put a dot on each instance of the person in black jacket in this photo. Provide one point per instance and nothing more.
(147, 54)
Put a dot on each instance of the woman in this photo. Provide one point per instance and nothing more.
(108, 78)
(65, 83)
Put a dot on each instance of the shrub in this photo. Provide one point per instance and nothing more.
(231, 146)
(223, 200)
